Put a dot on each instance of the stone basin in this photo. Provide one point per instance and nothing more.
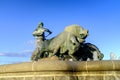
(62, 70)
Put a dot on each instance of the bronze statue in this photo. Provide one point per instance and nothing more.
(66, 42)
(68, 45)
(39, 33)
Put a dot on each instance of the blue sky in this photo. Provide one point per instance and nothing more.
(19, 18)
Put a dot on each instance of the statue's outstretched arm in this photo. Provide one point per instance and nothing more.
(47, 30)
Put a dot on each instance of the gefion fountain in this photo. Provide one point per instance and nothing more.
(64, 57)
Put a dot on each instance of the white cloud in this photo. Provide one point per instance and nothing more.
(11, 54)
(2, 54)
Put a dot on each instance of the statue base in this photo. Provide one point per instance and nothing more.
(62, 70)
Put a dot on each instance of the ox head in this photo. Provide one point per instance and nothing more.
(78, 31)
